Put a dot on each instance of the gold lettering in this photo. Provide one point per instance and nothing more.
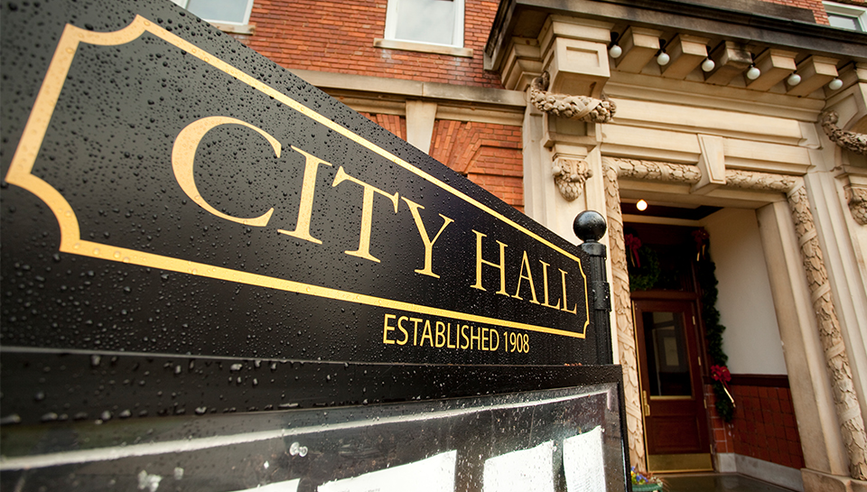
(415, 322)
(386, 328)
(545, 282)
(426, 333)
(495, 337)
(184, 156)
(305, 207)
(363, 250)
(403, 330)
(484, 338)
(449, 336)
(563, 281)
(464, 336)
(440, 334)
(480, 261)
(529, 277)
(425, 238)
(477, 337)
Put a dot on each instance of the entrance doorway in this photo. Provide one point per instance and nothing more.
(675, 417)
(670, 347)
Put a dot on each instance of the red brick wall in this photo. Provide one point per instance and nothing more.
(764, 425)
(393, 123)
(337, 36)
(488, 154)
(814, 5)
(817, 7)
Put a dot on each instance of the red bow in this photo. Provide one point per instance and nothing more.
(632, 244)
(701, 238)
(722, 374)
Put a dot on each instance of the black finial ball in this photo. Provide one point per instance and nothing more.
(589, 226)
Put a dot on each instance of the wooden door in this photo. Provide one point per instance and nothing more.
(675, 417)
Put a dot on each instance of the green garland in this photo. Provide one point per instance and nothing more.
(707, 283)
(645, 277)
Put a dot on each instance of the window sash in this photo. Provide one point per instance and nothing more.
(399, 12)
(201, 8)
(848, 17)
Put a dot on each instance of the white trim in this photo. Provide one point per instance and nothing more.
(391, 22)
(851, 11)
(228, 26)
(440, 49)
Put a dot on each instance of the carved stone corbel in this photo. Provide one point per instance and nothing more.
(570, 176)
(582, 108)
(852, 141)
(856, 196)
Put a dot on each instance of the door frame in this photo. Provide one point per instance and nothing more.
(696, 348)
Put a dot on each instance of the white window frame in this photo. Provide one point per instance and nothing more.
(455, 48)
(391, 24)
(851, 11)
(224, 25)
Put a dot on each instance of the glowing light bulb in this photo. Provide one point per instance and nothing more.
(641, 205)
(663, 58)
(707, 65)
(753, 73)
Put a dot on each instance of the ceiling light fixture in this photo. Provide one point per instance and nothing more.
(614, 49)
(662, 57)
(793, 79)
(835, 84)
(641, 205)
(753, 73)
(707, 65)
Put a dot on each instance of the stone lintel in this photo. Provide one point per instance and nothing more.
(815, 71)
(577, 67)
(420, 119)
(731, 59)
(575, 28)
(775, 65)
(686, 52)
(523, 64)
(639, 46)
(711, 163)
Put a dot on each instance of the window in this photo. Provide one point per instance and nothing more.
(847, 16)
(228, 15)
(428, 26)
(426, 21)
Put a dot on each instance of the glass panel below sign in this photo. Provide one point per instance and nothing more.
(564, 440)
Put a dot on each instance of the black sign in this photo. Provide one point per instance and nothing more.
(167, 190)
(191, 232)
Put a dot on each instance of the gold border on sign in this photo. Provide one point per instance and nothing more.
(20, 174)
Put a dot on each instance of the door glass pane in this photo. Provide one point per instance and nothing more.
(667, 357)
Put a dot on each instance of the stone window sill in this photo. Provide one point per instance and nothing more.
(393, 44)
(246, 29)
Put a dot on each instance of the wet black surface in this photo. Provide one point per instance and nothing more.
(215, 283)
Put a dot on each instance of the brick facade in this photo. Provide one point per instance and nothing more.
(337, 36)
(488, 154)
(764, 425)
